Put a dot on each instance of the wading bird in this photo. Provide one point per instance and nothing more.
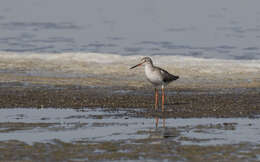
(156, 76)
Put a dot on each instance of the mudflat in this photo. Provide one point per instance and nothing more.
(180, 102)
(103, 111)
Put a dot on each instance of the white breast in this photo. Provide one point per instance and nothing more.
(153, 75)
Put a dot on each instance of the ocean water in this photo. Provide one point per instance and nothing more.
(204, 29)
(187, 38)
(71, 125)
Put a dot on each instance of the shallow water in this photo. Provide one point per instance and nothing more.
(70, 125)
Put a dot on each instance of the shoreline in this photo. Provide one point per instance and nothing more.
(97, 69)
(206, 88)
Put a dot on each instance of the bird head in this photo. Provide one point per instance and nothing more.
(143, 60)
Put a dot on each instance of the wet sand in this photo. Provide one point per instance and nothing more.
(184, 103)
(159, 142)
(114, 88)
(141, 150)
(106, 135)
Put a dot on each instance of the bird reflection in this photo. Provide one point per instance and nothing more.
(163, 131)
(157, 122)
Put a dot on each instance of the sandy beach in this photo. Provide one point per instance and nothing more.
(139, 131)
(214, 103)
(206, 88)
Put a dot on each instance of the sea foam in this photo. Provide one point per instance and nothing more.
(112, 66)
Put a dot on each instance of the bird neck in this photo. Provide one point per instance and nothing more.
(148, 66)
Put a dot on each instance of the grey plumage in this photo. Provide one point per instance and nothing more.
(167, 77)
(157, 76)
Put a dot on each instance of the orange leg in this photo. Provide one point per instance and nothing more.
(162, 99)
(156, 99)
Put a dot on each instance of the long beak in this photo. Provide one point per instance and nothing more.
(136, 65)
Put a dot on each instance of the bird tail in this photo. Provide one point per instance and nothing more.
(174, 77)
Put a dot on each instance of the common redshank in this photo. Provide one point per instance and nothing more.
(157, 76)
